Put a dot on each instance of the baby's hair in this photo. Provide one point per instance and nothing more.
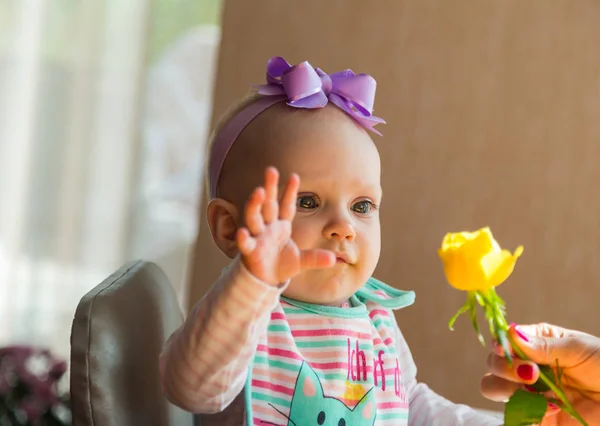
(233, 110)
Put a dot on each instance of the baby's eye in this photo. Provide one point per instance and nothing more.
(364, 207)
(307, 202)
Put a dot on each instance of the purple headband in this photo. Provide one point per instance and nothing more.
(302, 86)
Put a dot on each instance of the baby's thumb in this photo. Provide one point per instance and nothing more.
(540, 349)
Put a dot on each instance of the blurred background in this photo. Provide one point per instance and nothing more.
(104, 110)
(492, 111)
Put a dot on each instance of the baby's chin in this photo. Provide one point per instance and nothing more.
(328, 291)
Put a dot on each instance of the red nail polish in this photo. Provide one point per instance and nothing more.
(525, 371)
(521, 335)
(552, 406)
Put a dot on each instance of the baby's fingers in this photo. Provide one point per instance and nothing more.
(246, 244)
(316, 259)
(254, 219)
(270, 208)
(287, 209)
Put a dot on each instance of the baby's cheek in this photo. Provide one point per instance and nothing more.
(305, 236)
(371, 248)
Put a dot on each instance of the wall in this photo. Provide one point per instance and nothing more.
(492, 112)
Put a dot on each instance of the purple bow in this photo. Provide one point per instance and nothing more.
(307, 87)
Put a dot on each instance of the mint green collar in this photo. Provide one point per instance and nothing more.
(397, 299)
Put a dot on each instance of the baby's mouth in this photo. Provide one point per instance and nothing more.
(342, 257)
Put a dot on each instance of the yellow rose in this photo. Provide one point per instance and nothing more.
(474, 260)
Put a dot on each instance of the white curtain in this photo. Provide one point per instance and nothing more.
(100, 152)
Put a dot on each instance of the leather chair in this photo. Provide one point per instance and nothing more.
(117, 334)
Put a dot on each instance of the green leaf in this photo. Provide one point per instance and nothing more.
(491, 318)
(473, 314)
(524, 409)
(505, 344)
(480, 299)
(462, 310)
(499, 299)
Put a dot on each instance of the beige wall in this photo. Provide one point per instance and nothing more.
(493, 113)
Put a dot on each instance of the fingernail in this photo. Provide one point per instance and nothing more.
(552, 406)
(520, 334)
(525, 371)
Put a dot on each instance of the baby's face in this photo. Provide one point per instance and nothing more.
(338, 203)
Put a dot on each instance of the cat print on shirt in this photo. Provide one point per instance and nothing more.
(310, 406)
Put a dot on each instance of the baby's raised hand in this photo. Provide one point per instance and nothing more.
(265, 243)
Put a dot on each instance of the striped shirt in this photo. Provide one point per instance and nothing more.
(346, 357)
(218, 360)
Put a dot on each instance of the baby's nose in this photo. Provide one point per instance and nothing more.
(340, 229)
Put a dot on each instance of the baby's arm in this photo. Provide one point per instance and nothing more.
(427, 408)
(205, 362)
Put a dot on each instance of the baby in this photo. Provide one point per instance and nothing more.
(296, 331)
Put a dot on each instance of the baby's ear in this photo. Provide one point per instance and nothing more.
(308, 385)
(222, 219)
